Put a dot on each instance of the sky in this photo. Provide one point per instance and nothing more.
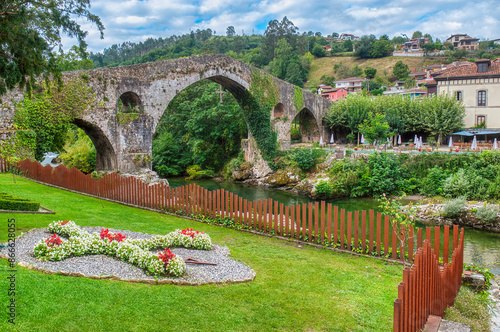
(137, 20)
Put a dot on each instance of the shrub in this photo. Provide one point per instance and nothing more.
(454, 208)
(323, 189)
(432, 185)
(487, 213)
(306, 158)
(14, 203)
(295, 134)
(195, 172)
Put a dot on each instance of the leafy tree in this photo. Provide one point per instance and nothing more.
(49, 113)
(230, 32)
(370, 72)
(196, 129)
(375, 128)
(347, 45)
(416, 34)
(318, 51)
(381, 48)
(30, 31)
(364, 47)
(428, 36)
(370, 85)
(444, 115)
(401, 70)
(78, 151)
(335, 35)
(428, 48)
(328, 80)
(357, 71)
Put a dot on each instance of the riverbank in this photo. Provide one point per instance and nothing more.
(433, 214)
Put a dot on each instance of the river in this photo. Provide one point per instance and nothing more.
(481, 247)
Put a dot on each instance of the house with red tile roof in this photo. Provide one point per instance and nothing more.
(464, 41)
(477, 86)
(334, 94)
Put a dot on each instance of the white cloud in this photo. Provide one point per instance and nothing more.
(130, 20)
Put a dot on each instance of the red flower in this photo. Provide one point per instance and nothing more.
(190, 232)
(53, 240)
(166, 256)
(105, 234)
(64, 222)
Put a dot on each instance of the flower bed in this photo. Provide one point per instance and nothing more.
(133, 251)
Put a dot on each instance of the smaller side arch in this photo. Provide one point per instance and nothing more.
(105, 156)
(279, 111)
(307, 125)
(129, 102)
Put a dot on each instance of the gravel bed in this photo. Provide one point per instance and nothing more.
(104, 267)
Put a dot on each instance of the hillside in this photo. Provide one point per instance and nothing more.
(322, 66)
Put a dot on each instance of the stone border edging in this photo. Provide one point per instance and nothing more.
(152, 281)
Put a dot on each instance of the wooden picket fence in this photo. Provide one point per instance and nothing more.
(427, 288)
(364, 232)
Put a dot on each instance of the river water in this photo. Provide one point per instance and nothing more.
(481, 247)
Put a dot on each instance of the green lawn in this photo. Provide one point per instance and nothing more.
(296, 288)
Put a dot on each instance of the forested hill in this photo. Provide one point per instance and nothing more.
(199, 42)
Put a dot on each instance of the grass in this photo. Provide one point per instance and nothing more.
(296, 288)
(472, 309)
(322, 66)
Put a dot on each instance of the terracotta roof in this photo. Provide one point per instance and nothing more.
(420, 72)
(430, 82)
(465, 71)
(351, 79)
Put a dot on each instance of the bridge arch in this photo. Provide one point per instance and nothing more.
(129, 102)
(105, 153)
(307, 125)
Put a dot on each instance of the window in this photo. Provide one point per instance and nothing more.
(482, 67)
(458, 95)
(480, 120)
(481, 98)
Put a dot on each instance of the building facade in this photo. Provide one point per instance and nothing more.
(477, 86)
(464, 41)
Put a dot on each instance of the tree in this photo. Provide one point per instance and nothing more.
(370, 85)
(335, 35)
(370, 72)
(381, 48)
(328, 80)
(428, 48)
(318, 51)
(401, 70)
(375, 128)
(364, 46)
(230, 32)
(29, 32)
(444, 115)
(416, 34)
(347, 45)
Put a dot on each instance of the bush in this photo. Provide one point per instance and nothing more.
(295, 134)
(306, 158)
(324, 189)
(432, 185)
(487, 213)
(195, 172)
(454, 208)
(14, 203)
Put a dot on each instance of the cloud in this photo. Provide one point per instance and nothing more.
(131, 20)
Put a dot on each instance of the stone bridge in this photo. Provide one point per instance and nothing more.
(126, 145)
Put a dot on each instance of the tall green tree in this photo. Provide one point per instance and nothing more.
(375, 127)
(31, 30)
(444, 115)
(401, 70)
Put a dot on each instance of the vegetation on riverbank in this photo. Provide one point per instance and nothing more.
(359, 291)
(470, 308)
